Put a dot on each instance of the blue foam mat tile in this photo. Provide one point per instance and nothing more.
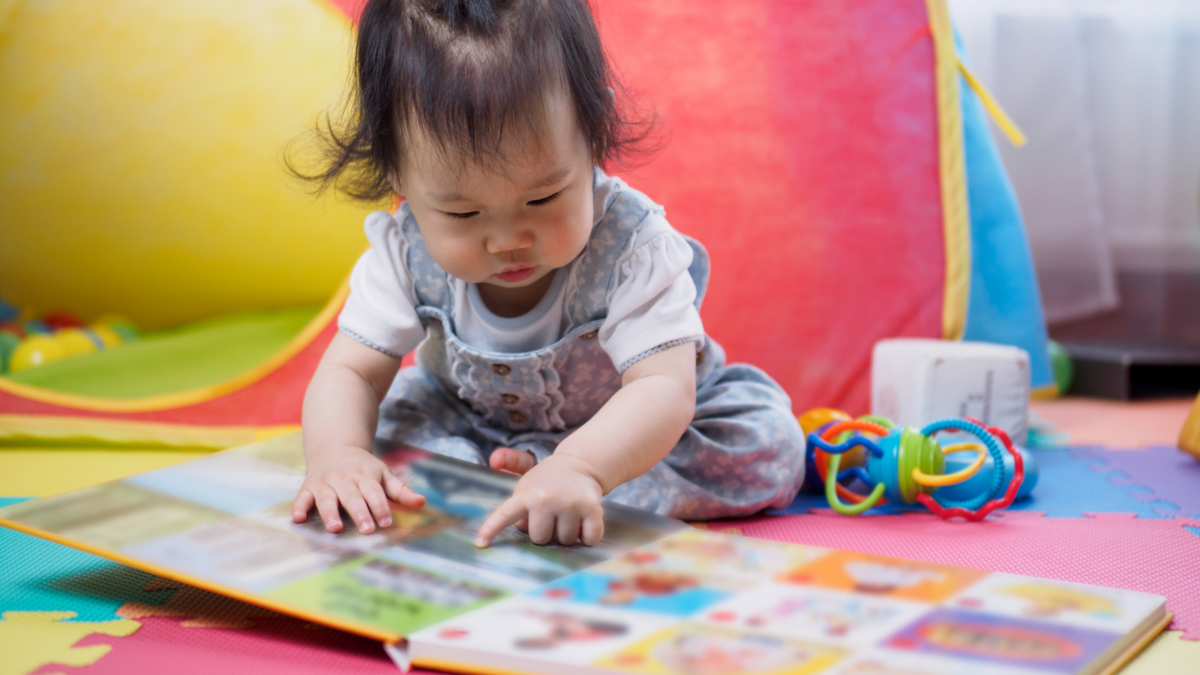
(1068, 487)
(1157, 474)
(41, 576)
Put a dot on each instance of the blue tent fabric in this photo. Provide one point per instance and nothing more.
(1004, 305)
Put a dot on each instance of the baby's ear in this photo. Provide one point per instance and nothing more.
(394, 180)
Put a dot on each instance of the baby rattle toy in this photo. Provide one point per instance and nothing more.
(907, 465)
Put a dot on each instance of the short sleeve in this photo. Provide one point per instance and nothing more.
(652, 305)
(381, 309)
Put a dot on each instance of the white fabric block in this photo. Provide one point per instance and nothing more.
(916, 381)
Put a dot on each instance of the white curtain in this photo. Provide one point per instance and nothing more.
(1108, 93)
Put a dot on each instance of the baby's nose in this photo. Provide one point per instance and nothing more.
(503, 242)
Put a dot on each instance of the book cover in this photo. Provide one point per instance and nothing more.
(707, 603)
(653, 597)
(223, 523)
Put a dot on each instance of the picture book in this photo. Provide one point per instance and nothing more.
(223, 523)
(654, 597)
(707, 603)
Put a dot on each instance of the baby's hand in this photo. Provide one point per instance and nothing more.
(559, 497)
(360, 481)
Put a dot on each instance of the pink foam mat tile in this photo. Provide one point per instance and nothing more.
(1106, 549)
(284, 646)
(1115, 424)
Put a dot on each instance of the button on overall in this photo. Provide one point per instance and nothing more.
(509, 399)
(501, 369)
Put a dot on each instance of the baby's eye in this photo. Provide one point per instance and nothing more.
(461, 215)
(545, 200)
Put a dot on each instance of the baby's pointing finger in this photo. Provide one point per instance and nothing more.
(509, 512)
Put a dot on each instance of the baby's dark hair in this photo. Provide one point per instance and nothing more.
(468, 72)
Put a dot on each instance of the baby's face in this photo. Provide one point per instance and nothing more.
(511, 224)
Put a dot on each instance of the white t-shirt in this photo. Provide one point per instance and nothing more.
(651, 305)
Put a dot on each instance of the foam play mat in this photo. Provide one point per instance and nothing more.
(1099, 515)
(1087, 479)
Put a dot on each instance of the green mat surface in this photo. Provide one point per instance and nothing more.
(197, 355)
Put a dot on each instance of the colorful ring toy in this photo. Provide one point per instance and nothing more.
(907, 465)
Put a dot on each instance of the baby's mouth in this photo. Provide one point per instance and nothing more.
(516, 273)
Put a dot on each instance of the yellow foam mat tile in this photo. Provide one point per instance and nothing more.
(29, 471)
(1169, 653)
(29, 640)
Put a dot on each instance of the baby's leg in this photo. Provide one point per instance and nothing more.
(419, 413)
(512, 460)
(743, 452)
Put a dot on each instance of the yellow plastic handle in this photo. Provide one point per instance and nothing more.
(957, 477)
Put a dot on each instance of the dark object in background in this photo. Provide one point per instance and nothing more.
(1127, 370)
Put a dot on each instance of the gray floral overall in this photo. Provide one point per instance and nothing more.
(743, 452)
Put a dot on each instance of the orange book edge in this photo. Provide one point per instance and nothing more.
(1118, 662)
(1125, 656)
(267, 603)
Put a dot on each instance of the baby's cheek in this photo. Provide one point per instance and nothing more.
(568, 240)
(461, 259)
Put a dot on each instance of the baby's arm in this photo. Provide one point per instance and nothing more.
(341, 410)
(634, 431)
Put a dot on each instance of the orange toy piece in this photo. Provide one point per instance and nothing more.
(814, 419)
(1189, 435)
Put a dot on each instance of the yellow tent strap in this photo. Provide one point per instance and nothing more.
(1000, 117)
(952, 170)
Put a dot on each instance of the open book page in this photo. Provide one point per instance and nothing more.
(223, 522)
(704, 603)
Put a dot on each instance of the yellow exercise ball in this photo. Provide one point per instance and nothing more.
(119, 325)
(141, 147)
(107, 336)
(75, 342)
(36, 350)
(110, 319)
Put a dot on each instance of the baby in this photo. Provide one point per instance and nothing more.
(553, 309)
